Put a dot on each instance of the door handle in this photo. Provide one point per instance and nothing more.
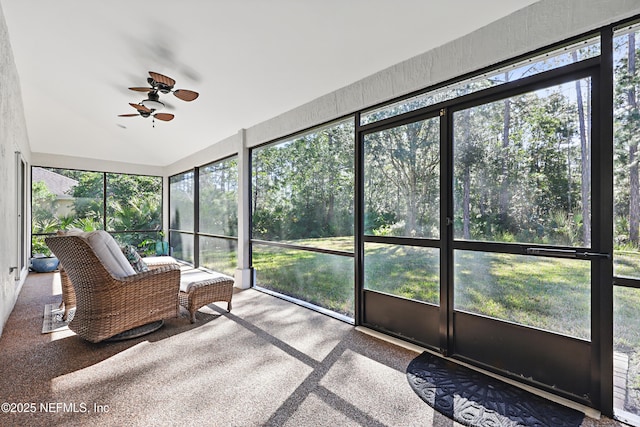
(568, 253)
(594, 255)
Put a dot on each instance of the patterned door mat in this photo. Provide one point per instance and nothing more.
(475, 399)
(52, 320)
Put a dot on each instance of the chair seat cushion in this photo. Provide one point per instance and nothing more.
(153, 261)
(191, 278)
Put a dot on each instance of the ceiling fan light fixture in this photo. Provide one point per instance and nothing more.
(152, 104)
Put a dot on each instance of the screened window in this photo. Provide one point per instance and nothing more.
(219, 198)
(181, 215)
(134, 209)
(626, 208)
(522, 168)
(65, 198)
(402, 180)
(555, 59)
(626, 140)
(218, 216)
(302, 198)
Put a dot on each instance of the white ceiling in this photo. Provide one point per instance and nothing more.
(250, 60)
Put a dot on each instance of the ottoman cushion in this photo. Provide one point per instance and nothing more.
(193, 277)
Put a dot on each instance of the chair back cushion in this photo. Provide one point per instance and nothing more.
(109, 253)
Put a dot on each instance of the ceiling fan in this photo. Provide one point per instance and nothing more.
(158, 84)
(162, 84)
(146, 112)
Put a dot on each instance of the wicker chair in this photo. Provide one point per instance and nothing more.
(69, 295)
(109, 304)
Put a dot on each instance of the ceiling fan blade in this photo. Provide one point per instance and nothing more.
(128, 115)
(186, 95)
(141, 89)
(162, 79)
(140, 107)
(164, 116)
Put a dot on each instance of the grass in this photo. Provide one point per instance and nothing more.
(219, 255)
(406, 271)
(545, 293)
(626, 264)
(321, 279)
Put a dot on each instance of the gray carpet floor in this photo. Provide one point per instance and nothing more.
(267, 363)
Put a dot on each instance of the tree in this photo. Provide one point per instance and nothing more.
(468, 152)
(627, 137)
(505, 197)
(512, 168)
(585, 150)
(219, 198)
(89, 195)
(303, 188)
(634, 185)
(402, 173)
(42, 201)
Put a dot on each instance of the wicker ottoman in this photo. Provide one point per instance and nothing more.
(199, 288)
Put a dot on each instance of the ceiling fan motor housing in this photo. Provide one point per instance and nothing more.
(158, 86)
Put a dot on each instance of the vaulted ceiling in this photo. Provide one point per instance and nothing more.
(250, 60)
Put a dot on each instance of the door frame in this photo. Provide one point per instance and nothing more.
(22, 236)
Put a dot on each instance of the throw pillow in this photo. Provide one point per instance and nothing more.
(134, 258)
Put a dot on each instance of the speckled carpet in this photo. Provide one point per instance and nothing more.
(474, 399)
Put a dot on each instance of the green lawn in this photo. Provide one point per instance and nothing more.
(219, 255)
(546, 293)
(626, 264)
(406, 271)
(321, 279)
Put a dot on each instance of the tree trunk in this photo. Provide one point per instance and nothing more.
(330, 210)
(466, 202)
(466, 176)
(411, 224)
(634, 187)
(586, 163)
(504, 196)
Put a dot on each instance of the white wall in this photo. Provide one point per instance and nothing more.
(13, 137)
(69, 162)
